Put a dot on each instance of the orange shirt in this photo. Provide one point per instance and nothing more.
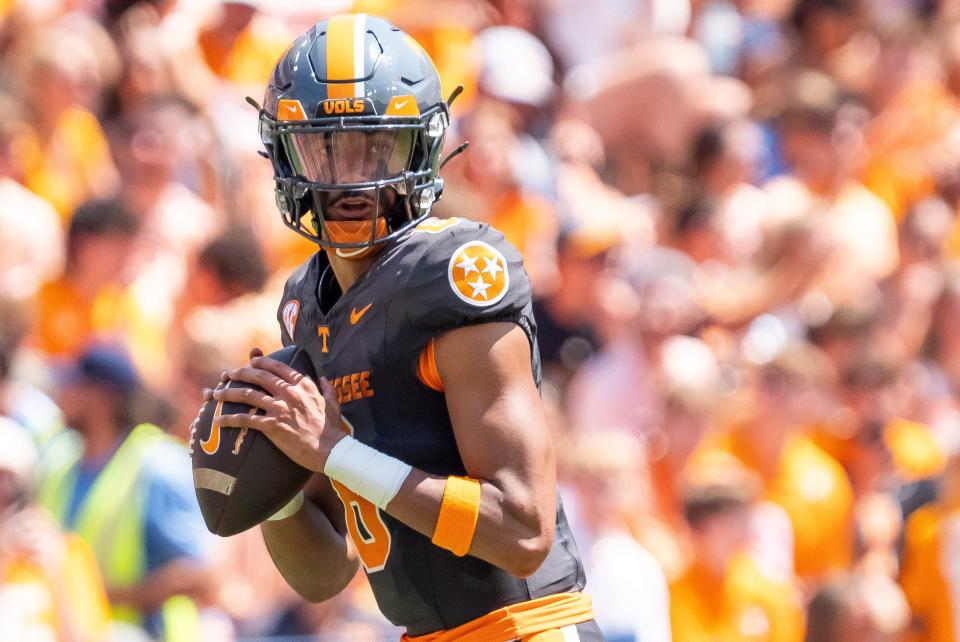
(663, 531)
(67, 321)
(899, 142)
(525, 220)
(251, 59)
(951, 244)
(74, 165)
(36, 606)
(815, 492)
(928, 576)
(744, 605)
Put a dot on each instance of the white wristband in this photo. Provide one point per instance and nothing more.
(366, 471)
(292, 508)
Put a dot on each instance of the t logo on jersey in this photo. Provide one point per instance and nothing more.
(478, 274)
(323, 332)
(290, 313)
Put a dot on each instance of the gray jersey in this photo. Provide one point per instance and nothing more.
(368, 342)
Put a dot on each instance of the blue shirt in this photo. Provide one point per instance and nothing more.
(173, 527)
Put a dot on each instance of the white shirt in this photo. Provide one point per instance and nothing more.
(629, 589)
(31, 236)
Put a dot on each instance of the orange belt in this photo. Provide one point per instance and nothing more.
(517, 621)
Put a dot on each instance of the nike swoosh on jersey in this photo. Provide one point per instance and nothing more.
(355, 314)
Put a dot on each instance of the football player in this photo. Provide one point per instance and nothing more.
(428, 422)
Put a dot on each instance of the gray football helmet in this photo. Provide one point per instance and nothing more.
(354, 105)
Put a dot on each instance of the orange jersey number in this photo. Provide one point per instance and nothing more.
(366, 527)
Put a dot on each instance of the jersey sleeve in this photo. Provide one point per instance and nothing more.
(465, 274)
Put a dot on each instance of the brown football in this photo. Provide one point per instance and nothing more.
(241, 478)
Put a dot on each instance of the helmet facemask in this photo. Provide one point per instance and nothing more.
(391, 162)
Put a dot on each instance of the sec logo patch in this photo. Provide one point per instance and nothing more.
(478, 274)
(290, 313)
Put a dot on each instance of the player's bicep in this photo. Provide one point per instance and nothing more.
(495, 409)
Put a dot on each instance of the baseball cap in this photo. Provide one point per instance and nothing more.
(106, 365)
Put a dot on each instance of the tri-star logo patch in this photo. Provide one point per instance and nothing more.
(478, 274)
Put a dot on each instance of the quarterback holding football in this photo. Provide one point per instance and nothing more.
(425, 421)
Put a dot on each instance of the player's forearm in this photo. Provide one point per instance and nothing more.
(512, 532)
(311, 555)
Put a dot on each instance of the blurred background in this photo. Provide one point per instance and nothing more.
(740, 221)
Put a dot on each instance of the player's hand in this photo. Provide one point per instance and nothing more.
(300, 418)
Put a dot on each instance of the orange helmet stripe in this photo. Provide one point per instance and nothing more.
(345, 55)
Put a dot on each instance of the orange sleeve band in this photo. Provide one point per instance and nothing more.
(427, 367)
(459, 513)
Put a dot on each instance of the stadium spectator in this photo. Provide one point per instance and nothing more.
(822, 139)
(64, 156)
(490, 181)
(688, 416)
(858, 606)
(657, 304)
(928, 575)
(31, 233)
(773, 441)
(726, 162)
(723, 595)
(157, 148)
(50, 588)
(88, 301)
(240, 43)
(126, 490)
(568, 313)
(19, 400)
(608, 470)
(228, 267)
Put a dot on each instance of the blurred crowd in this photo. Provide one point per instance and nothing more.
(740, 219)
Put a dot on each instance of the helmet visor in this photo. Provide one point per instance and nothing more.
(349, 157)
